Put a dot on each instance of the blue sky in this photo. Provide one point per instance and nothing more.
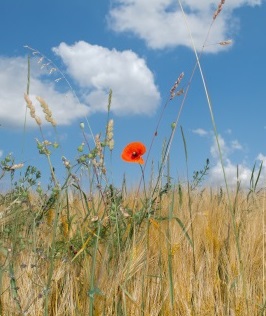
(138, 50)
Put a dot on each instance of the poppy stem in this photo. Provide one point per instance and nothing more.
(142, 176)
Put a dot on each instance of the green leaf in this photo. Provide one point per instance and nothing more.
(184, 230)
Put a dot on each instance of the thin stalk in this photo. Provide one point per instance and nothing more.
(51, 257)
(148, 202)
(178, 116)
(169, 237)
(191, 225)
(145, 271)
(26, 110)
(118, 230)
(93, 267)
(263, 248)
(51, 70)
(14, 288)
(219, 151)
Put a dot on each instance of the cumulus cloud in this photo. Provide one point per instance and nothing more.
(97, 69)
(262, 158)
(162, 24)
(234, 171)
(13, 82)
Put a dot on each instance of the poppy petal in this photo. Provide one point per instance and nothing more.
(133, 152)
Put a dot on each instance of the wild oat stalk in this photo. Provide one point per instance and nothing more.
(52, 68)
(174, 92)
(191, 225)
(25, 118)
(236, 235)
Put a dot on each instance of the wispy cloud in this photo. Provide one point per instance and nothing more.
(223, 147)
(262, 158)
(161, 24)
(200, 132)
(227, 148)
(235, 145)
(97, 69)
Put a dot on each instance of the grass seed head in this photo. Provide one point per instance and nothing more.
(176, 84)
(110, 134)
(46, 111)
(219, 9)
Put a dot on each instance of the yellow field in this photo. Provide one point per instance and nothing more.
(188, 255)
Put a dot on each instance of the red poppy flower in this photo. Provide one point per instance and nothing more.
(133, 152)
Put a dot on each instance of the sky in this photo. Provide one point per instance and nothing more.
(80, 50)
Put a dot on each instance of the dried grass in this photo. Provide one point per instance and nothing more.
(136, 282)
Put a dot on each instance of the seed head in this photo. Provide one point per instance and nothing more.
(176, 84)
(46, 111)
(219, 9)
(224, 43)
(110, 134)
(38, 120)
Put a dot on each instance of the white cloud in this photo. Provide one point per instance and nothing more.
(13, 81)
(233, 171)
(235, 145)
(262, 158)
(1, 153)
(200, 132)
(97, 70)
(223, 147)
(226, 149)
(161, 24)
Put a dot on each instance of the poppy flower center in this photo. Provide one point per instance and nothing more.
(134, 154)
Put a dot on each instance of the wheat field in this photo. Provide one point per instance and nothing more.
(166, 247)
(181, 258)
